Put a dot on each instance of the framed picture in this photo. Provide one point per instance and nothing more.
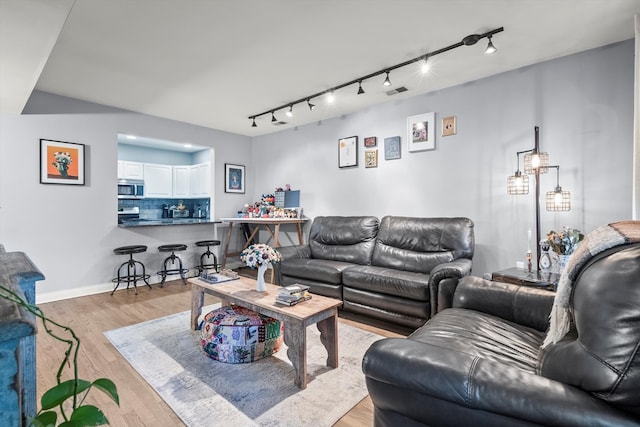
(371, 158)
(392, 148)
(370, 141)
(448, 126)
(233, 178)
(420, 132)
(61, 162)
(348, 152)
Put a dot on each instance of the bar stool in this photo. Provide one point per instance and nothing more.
(207, 255)
(171, 259)
(131, 276)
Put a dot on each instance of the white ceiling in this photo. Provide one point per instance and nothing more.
(214, 63)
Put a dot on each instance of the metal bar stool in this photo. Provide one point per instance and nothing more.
(208, 255)
(132, 275)
(171, 259)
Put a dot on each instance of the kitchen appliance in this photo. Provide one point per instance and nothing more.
(180, 213)
(128, 214)
(130, 189)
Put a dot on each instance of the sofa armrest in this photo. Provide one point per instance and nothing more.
(403, 367)
(441, 290)
(289, 252)
(520, 304)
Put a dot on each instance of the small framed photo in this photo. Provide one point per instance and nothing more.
(448, 126)
(234, 178)
(392, 148)
(348, 152)
(61, 162)
(421, 132)
(371, 158)
(370, 141)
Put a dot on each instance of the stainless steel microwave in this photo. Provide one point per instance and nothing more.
(130, 189)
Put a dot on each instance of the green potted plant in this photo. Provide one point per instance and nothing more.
(67, 397)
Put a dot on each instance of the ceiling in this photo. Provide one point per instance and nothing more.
(214, 63)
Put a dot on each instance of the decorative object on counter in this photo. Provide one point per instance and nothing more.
(133, 273)
(545, 259)
(234, 178)
(392, 148)
(172, 260)
(260, 256)
(348, 152)
(421, 132)
(208, 256)
(61, 162)
(563, 244)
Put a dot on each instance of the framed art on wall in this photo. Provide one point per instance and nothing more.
(348, 152)
(61, 162)
(371, 158)
(233, 178)
(370, 141)
(421, 132)
(392, 148)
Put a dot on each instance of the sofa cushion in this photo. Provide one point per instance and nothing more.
(387, 281)
(321, 270)
(343, 238)
(420, 244)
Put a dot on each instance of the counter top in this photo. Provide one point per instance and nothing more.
(166, 221)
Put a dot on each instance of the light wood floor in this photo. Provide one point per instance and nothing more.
(90, 316)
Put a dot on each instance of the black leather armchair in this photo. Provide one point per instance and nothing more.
(480, 363)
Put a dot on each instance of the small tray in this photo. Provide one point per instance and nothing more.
(214, 278)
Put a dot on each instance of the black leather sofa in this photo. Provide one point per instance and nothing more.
(480, 363)
(398, 269)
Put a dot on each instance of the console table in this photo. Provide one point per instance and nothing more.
(523, 277)
(259, 223)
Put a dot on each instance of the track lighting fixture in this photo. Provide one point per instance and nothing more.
(254, 125)
(387, 82)
(490, 47)
(330, 97)
(467, 41)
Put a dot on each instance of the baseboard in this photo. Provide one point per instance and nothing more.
(44, 297)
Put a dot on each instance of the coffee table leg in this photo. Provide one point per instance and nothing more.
(295, 337)
(329, 337)
(197, 300)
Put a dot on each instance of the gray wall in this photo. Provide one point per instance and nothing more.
(70, 231)
(583, 104)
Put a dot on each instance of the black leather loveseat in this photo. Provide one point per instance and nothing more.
(481, 363)
(398, 269)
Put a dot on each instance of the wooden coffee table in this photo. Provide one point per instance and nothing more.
(320, 310)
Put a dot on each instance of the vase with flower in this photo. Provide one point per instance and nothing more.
(563, 244)
(260, 256)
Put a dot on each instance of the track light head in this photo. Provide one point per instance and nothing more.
(330, 97)
(311, 106)
(425, 65)
(273, 117)
(289, 112)
(254, 125)
(471, 39)
(387, 82)
(490, 47)
(360, 90)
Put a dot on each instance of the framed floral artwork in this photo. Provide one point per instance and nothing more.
(61, 162)
(371, 158)
(234, 178)
(348, 152)
(421, 132)
(392, 148)
(370, 141)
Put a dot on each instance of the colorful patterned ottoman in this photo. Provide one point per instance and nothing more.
(234, 334)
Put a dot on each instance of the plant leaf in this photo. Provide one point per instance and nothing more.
(61, 392)
(45, 419)
(108, 387)
(88, 415)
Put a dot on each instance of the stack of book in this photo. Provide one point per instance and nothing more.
(293, 294)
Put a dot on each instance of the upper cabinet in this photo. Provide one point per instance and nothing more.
(166, 181)
(181, 181)
(201, 180)
(158, 180)
(130, 170)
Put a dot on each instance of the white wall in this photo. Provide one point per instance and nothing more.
(70, 231)
(583, 104)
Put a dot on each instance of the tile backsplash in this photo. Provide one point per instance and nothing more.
(155, 208)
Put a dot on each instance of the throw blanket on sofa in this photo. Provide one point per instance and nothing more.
(599, 240)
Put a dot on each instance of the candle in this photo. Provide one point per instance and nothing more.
(529, 242)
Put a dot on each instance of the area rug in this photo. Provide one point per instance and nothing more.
(202, 391)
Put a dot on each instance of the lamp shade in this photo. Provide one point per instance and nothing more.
(535, 160)
(518, 184)
(558, 200)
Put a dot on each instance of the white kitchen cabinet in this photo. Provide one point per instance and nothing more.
(201, 180)
(158, 180)
(130, 170)
(181, 181)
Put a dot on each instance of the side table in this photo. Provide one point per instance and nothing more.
(522, 277)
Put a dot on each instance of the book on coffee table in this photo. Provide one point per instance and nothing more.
(293, 289)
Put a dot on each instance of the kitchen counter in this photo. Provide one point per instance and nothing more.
(166, 221)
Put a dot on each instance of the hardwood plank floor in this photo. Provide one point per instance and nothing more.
(140, 405)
